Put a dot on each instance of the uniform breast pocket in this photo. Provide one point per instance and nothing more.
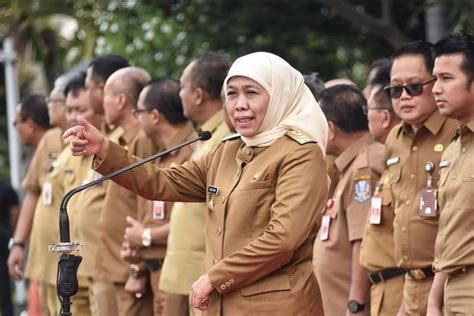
(386, 196)
(464, 191)
(443, 177)
(257, 197)
(394, 174)
(272, 283)
(256, 185)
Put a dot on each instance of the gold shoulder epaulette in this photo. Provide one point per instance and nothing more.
(231, 137)
(299, 137)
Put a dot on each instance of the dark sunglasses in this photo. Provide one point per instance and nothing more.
(413, 89)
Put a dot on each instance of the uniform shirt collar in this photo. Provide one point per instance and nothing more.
(346, 157)
(130, 134)
(212, 123)
(181, 136)
(433, 124)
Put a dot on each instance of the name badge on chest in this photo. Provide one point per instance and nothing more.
(159, 210)
(376, 206)
(213, 190)
(47, 194)
(326, 221)
(428, 202)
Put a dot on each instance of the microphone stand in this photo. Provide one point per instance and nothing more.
(66, 283)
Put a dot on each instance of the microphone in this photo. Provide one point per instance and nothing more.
(67, 284)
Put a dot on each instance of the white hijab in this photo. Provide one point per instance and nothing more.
(292, 105)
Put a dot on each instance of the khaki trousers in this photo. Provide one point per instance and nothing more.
(459, 294)
(415, 296)
(81, 303)
(51, 296)
(386, 297)
(176, 305)
(129, 305)
(102, 298)
(159, 297)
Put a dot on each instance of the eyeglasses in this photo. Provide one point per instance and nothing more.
(413, 89)
(367, 108)
(138, 111)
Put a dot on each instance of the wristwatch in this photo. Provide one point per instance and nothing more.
(146, 237)
(12, 243)
(135, 271)
(354, 307)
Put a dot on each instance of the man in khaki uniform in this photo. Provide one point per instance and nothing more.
(201, 84)
(67, 172)
(454, 248)
(160, 114)
(32, 123)
(359, 162)
(101, 293)
(413, 151)
(121, 93)
(377, 248)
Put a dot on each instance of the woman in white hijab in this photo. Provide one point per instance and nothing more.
(265, 190)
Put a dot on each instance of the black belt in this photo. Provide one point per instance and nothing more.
(153, 265)
(385, 275)
(421, 274)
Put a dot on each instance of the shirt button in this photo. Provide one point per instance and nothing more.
(227, 284)
(215, 261)
(219, 231)
(404, 228)
(232, 281)
(223, 287)
(463, 150)
(248, 151)
(405, 258)
(414, 148)
(408, 202)
(435, 260)
(453, 177)
(412, 176)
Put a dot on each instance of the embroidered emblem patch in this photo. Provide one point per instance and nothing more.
(362, 191)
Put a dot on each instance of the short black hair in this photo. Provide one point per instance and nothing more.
(343, 105)
(382, 68)
(459, 43)
(425, 49)
(209, 71)
(103, 66)
(34, 107)
(75, 84)
(163, 95)
(314, 83)
(382, 98)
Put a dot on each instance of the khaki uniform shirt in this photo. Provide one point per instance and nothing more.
(377, 251)
(48, 150)
(49, 147)
(157, 213)
(407, 153)
(185, 254)
(261, 216)
(359, 166)
(67, 173)
(89, 211)
(118, 204)
(454, 247)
